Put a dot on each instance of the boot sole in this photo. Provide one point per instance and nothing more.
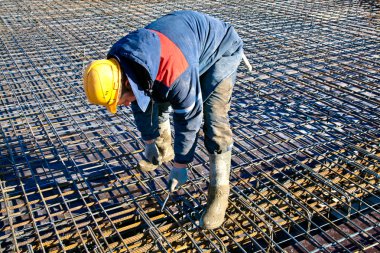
(146, 166)
(210, 227)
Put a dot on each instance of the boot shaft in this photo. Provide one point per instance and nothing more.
(164, 142)
(220, 167)
(164, 131)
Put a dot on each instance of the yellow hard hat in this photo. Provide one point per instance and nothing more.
(102, 83)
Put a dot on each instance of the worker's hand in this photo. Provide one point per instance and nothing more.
(152, 154)
(177, 177)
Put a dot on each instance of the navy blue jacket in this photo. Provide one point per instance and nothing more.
(173, 52)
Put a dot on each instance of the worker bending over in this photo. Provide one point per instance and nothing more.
(185, 61)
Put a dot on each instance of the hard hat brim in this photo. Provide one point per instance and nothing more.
(112, 108)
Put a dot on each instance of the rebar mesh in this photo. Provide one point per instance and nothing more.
(305, 166)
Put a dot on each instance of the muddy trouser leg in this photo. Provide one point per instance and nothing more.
(218, 134)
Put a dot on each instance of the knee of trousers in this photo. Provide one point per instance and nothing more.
(218, 136)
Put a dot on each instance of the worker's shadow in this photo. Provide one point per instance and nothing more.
(59, 183)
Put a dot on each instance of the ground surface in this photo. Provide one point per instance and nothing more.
(305, 173)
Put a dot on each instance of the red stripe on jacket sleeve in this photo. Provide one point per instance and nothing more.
(172, 62)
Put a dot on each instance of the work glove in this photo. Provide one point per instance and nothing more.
(177, 177)
(152, 154)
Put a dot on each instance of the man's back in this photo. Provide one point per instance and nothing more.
(201, 38)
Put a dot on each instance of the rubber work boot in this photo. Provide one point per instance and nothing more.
(164, 142)
(164, 145)
(218, 191)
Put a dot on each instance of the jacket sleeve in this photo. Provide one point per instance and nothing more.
(186, 99)
(146, 122)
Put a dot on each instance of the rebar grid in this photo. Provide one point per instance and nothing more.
(305, 166)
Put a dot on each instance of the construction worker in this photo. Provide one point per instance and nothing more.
(186, 61)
